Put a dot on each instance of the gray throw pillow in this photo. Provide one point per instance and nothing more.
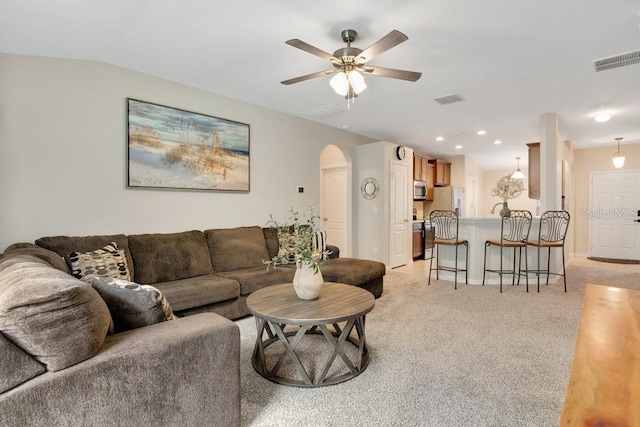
(132, 305)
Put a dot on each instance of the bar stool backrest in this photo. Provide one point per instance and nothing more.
(516, 226)
(553, 226)
(445, 224)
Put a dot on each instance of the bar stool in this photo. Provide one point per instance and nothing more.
(445, 228)
(514, 232)
(552, 234)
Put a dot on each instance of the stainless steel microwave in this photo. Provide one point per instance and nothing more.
(419, 190)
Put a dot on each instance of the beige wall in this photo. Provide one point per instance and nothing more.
(591, 160)
(63, 155)
(489, 181)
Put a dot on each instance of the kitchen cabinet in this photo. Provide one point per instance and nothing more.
(418, 239)
(420, 167)
(441, 173)
(423, 171)
(534, 170)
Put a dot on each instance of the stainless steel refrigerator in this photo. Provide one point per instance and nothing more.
(448, 198)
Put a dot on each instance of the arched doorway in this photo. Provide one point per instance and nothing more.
(335, 198)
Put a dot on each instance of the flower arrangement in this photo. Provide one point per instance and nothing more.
(507, 188)
(296, 240)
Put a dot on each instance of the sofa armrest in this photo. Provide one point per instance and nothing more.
(335, 251)
(180, 372)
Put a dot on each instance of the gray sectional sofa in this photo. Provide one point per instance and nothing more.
(184, 371)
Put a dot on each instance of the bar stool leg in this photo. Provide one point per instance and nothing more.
(513, 276)
(484, 271)
(538, 270)
(564, 271)
(500, 273)
(435, 253)
(466, 265)
(548, 265)
(455, 272)
(526, 265)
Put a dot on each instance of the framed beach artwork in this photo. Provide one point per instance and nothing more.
(177, 149)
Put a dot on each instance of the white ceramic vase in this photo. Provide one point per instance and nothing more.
(306, 282)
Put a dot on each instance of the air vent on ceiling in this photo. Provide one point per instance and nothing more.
(617, 61)
(449, 99)
(325, 110)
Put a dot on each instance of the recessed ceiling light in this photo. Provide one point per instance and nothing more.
(603, 117)
(482, 132)
(458, 147)
(440, 138)
(346, 127)
(497, 141)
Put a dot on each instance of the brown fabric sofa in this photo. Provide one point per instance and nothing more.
(58, 366)
(184, 371)
(216, 269)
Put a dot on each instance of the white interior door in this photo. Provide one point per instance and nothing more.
(614, 204)
(399, 217)
(334, 207)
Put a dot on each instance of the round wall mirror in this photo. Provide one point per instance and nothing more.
(369, 188)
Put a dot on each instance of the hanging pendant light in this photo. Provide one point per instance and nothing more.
(518, 174)
(619, 156)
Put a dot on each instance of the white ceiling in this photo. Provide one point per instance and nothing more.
(512, 60)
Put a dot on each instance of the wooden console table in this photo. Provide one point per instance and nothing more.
(604, 386)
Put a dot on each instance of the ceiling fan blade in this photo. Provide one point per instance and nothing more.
(392, 39)
(307, 77)
(411, 76)
(313, 50)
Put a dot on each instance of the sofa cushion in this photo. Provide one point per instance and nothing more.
(17, 366)
(132, 305)
(351, 271)
(236, 248)
(64, 245)
(50, 315)
(165, 257)
(271, 239)
(199, 291)
(254, 278)
(108, 261)
(55, 260)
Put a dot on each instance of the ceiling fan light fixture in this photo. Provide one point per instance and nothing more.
(518, 174)
(618, 157)
(357, 81)
(340, 83)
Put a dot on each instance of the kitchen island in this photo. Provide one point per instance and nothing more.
(477, 231)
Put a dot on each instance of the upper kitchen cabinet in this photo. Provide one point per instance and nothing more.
(441, 173)
(534, 170)
(423, 171)
(420, 167)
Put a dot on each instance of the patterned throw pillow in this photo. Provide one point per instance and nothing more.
(104, 262)
(319, 243)
(132, 305)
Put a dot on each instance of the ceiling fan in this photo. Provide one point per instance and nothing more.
(350, 62)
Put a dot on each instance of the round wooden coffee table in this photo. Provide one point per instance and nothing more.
(339, 307)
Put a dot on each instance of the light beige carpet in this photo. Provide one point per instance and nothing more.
(444, 357)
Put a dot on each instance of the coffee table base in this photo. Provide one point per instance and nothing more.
(271, 332)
